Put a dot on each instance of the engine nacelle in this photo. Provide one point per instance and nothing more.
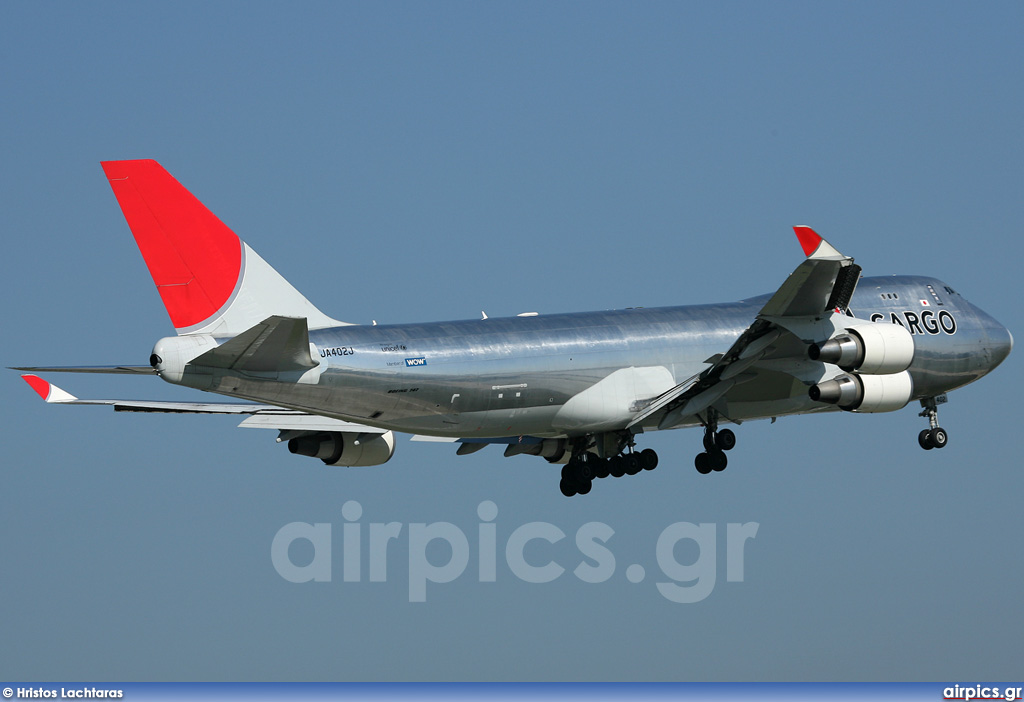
(345, 448)
(866, 393)
(554, 450)
(872, 348)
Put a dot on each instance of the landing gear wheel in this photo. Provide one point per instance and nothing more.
(725, 440)
(925, 439)
(584, 487)
(601, 469)
(938, 437)
(709, 441)
(703, 463)
(718, 460)
(567, 488)
(617, 467)
(579, 470)
(632, 462)
(584, 468)
(649, 459)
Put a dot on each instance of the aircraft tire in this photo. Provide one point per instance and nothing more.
(584, 487)
(925, 439)
(602, 469)
(718, 460)
(649, 459)
(725, 440)
(567, 488)
(617, 467)
(938, 437)
(584, 465)
(632, 462)
(702, 463)
(579, 469)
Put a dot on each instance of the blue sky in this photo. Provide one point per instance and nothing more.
(412, 162)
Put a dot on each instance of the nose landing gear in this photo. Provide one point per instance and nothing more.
(936, 436)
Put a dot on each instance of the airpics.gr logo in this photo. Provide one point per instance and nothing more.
(529, 550)
(416, 361)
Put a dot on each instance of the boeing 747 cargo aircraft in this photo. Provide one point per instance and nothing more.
(578, 390)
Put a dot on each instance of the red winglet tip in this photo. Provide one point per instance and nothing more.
(809, 239)
(38, 384)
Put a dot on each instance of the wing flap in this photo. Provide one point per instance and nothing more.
(663, 400)
(194, 407)
(306, 422)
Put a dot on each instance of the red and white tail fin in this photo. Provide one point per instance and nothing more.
(210, 281)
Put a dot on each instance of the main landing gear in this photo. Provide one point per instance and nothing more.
(583, 468)
(936, 436)
(716, 443)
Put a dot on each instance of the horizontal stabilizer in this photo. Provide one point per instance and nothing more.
(275, 345)
(109, 370)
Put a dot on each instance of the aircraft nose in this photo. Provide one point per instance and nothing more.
(999, 343)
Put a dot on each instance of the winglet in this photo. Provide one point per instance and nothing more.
(46, 390)
(813, 245)
(809, 239)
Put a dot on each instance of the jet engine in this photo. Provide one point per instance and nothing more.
(343, 448)
(874, 347)
(866, 393)
(553, 450)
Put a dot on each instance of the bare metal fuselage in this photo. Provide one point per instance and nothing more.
(520, 375)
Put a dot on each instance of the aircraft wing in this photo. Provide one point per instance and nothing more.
(775, 344)
(259, 416)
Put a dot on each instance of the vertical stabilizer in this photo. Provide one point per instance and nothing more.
(210, 281)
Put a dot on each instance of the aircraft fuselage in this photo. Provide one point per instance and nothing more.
(524, 375)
